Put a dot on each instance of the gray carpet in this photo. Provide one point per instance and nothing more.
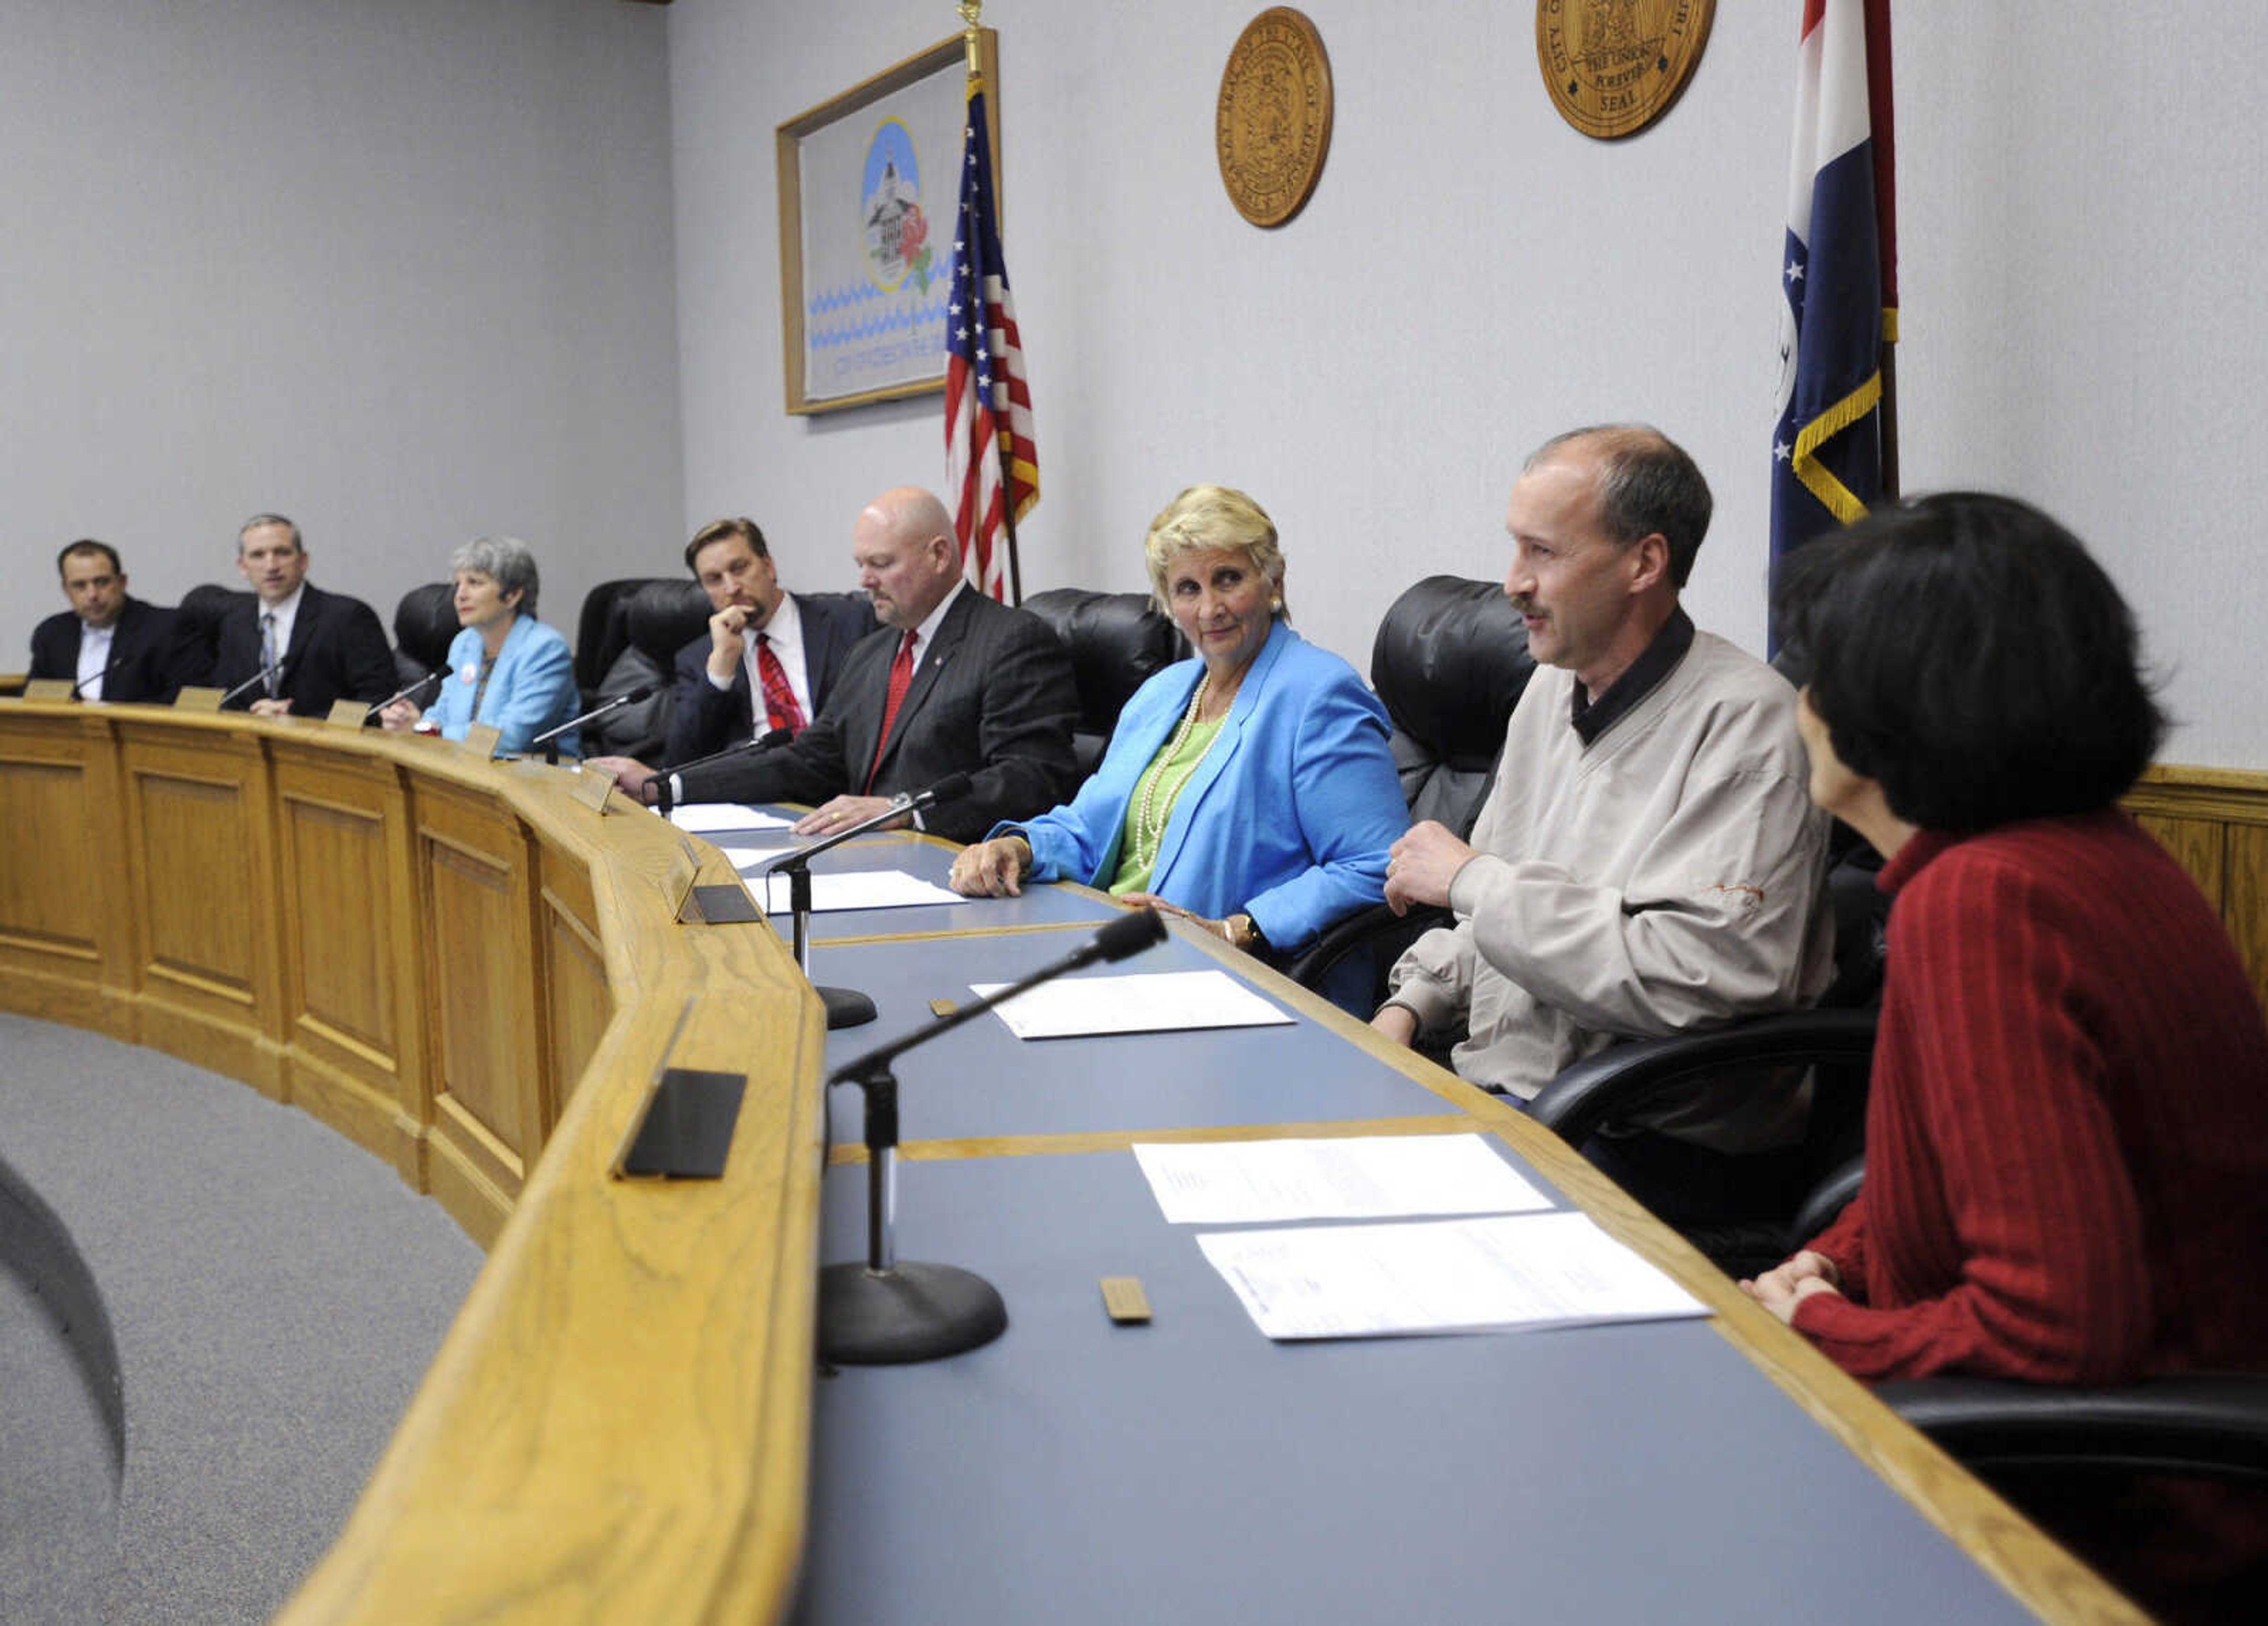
(276, 1294)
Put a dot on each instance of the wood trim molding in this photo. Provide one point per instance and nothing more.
(2215, 821)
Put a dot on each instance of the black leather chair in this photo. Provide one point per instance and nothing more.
(602, 631)
(424, 625)
(1118, 641)
(1450, 661)
(2066, 1457)
(196, 632)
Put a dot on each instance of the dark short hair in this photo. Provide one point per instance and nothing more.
(257, 520)
(87, 544)
(1967, 653)
(717, 531)
(1646, 484)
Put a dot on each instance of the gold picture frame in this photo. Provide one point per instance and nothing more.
(816, 286)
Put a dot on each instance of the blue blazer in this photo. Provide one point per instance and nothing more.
(531, 690)
(1288, 818)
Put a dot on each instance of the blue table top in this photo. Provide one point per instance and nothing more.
(1192, 1471)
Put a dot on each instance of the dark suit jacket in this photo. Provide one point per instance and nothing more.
(141, 643)
(338, 652)
(992, 699)
(703, 718)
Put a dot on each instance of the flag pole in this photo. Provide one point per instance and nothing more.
(972, 13)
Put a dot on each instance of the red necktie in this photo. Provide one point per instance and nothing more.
(902, 679)
(780, 709)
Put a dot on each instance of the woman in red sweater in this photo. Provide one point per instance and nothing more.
(2067, 1133)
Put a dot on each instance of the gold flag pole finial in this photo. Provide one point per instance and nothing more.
(971, 11)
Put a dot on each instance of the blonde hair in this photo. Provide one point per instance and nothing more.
(1204, 518)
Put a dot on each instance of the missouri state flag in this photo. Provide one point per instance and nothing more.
(1839, 273)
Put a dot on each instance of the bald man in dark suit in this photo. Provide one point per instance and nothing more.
(978, 688)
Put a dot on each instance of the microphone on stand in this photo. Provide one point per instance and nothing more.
(884, 1312)
(260, 676)
(549, 740)
(846, 1007)
(664, 800)
(404, 693)
(116, 661)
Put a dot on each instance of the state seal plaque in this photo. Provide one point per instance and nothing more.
(1273, 124)
(1615, 66)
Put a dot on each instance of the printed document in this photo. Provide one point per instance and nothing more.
(1074, 1006)
(851, 889)
(1520, 1270)
(713, 818)
(1366, 1177)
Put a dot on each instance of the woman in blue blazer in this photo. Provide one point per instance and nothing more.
(506, 668)
(1251, 789)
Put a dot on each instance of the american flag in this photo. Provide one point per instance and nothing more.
(1839, 272)
(988, 406)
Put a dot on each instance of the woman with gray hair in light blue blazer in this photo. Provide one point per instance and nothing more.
(506, 668)
(1250, 790)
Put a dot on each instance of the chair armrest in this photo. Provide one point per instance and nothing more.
(2212, 1424)
(1827, 1200)
(1344, 935)
(1627, 1077)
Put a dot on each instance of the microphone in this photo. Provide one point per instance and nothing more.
(260, 676)
(548, 740)
(761, 742)
(402, 693)
(116, 661)
(847, 1007)
(885, 1313)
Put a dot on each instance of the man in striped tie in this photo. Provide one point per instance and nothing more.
(952, 683)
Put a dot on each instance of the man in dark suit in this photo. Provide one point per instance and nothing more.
(763, 641)
(309, 647)
(954, 683)
(113, 646)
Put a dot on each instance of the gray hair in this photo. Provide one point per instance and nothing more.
(258, 520)
(504, 560)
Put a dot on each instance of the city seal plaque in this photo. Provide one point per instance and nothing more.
(1273, 124)
(1615, 66)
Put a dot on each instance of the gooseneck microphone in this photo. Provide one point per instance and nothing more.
(846, 1007)
(260, 676)
(102, 676)
(400, 694)
(550, 739)
(663, 799)
(882, 1312)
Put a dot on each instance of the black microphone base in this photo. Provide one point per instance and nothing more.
(846, 1007)
(912, 1312)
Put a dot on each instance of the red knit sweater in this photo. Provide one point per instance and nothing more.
(2067, 1133)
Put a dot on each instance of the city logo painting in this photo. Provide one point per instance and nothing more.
(896, 231)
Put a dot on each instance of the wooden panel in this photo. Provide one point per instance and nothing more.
(200, 933)
(2196, 844)
(486, 1051)
(573, 991)
(48, 900)
(2244, 899)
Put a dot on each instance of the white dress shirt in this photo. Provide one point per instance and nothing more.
(94, 655)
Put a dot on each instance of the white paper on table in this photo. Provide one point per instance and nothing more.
(1518, 1270)
(1365, 1177)
(711, 818)
(1165, 1001)
(748, 859)
(850, 889)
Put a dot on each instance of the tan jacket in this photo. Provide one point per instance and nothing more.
(1666, 876)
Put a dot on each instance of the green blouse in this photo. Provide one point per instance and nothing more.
(1160, 787)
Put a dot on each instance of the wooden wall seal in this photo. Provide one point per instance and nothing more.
(1615, 66)
(1272, 128)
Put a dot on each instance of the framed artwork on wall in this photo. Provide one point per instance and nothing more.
(869, 182)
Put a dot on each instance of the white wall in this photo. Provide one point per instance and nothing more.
(400, 269)
(2081, 209)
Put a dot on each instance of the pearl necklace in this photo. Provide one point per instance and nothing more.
(1149, 833)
